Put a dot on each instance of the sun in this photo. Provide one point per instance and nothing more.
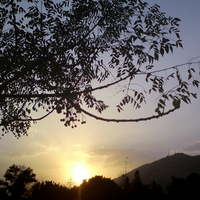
(79, 174)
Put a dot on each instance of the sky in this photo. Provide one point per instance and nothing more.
(110, 149)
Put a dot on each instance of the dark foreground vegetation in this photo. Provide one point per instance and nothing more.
(20, 183)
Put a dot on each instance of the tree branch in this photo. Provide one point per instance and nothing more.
(3, 96)
(165, 69)
(26, 120)
(128, 120)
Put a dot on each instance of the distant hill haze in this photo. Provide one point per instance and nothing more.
(178, 165)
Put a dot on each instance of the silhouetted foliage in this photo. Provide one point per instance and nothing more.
(51, 54)
(99, 188)
(194, 183)
(127, 189)
(156, 191)
(138, 190)
(185, 188)
(18, 182)
(49, 190)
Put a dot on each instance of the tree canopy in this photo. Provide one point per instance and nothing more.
(52, 53)
(18, 181)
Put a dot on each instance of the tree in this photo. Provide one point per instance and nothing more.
(99, 188)
(18, 181)
(51, 56)
(180, 187)
(51, 190)
(156, 191)
(138, 189)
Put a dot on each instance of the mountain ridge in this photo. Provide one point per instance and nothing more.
(161, 171)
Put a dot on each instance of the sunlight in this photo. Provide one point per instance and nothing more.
(79, 174)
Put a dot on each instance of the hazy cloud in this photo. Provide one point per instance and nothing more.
(114, 157)
(192, 147)
(32, 150)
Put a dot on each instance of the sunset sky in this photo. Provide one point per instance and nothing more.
(100, 148)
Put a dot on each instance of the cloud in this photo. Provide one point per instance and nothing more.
(32, 150)
(192, 147)
(112, 157)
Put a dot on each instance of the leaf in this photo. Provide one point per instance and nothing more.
(162, 102)
(148, 75)
(195, 83)
(162, 51)
(119, 108)
(194, 95)
(139, 95)
(171, 96)
(156, 56)
(186, 99)
(132, 100)
(165, 96)
(167, 48)
(135, 93)
(149, 91)
(177, 19)
(171, 48)
(184, 84)
(59, 109)
(148, 67)
(165, 40)
(158, 111)
(176, 103)
(160, 106)
(154, 89)
(180, 44)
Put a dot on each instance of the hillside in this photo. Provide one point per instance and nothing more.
(178, 165)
